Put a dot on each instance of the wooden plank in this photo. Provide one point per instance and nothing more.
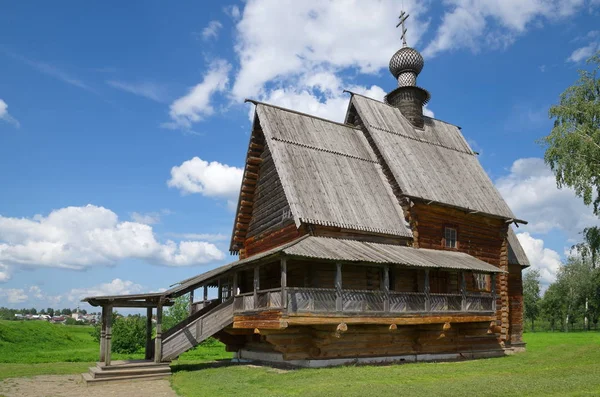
(314, 320)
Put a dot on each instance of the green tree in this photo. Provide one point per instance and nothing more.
(50, 311)
(552, 306)
(128, 333)
(531, 295)
(177, 313)
(573, 146)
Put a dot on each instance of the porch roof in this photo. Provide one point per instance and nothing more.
(334, 249)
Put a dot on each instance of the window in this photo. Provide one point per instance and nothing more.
(450, 237)
(482, 282)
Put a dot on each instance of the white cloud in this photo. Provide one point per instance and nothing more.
(583, 53)
(4, 274)
(546, 260)
(277, 40)
(146, 89)
(233, 12)
(36, 291)
(81, 237)
(201, 236)
(4, 115)
(115, 287)
(211, 31)
(13, 295)
(196, 104)
(530, 190)
(496, 23)
(209, 179)
(428, 112)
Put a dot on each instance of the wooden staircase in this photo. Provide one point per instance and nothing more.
(190, 333)
(127, 371)
(177, 340)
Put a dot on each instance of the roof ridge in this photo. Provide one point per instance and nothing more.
(255, 102)
(387, 104)
(420, 140)
(324, 150)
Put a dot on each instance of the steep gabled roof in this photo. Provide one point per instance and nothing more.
(434, 163)
(330, 174)
(516, 253)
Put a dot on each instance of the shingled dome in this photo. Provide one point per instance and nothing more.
(406, 59)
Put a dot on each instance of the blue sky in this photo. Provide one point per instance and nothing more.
(123, 127)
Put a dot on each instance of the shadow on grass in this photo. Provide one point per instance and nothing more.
(200, 366)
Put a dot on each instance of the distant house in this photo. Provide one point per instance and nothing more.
(373, 240)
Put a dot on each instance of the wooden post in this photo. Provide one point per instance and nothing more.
(205, 295)
(149, 333)
(463, 291)
(427, 289)
(256, 285)
(235, 284)
(493, 286)
(386, 288)
(283, 282)
(339, 303)
(103, 334)
(108, 335)
(191, 302)
(158, 340)
(220, 292)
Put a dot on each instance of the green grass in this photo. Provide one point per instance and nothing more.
(554, 365)
(29, 348)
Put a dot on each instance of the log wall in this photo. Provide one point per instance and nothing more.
(327, 341)
(515, 296)
(480, 236)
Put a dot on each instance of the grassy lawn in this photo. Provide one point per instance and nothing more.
(29, 348)
(554, 365)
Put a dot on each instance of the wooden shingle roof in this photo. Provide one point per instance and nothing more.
(330, 174)
(434, 163)
(516, 253)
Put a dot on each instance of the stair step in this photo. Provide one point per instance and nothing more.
(121, 364)
(90, 380)
(99, 373)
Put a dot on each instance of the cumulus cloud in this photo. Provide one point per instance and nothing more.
(208, 179)
(495, 23)
(5, 116)
(13, 295)
(81, 237)
(546, 260)
(282, 39)
(530, 190)
(197, 103)
(115, 287)
(211, 31)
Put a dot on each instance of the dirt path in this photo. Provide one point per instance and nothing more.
(73, 386)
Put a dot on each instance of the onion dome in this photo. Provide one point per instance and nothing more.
(405, 65)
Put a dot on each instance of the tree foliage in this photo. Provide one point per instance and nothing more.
(531, 295)
(128, 333)
(573, 146)
(177, 313)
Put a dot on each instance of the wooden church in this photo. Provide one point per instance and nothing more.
(379, 239)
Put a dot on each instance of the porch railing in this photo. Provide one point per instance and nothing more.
(331, 300)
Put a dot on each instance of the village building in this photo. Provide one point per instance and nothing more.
(378, 239)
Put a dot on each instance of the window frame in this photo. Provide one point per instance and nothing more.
(456, 232)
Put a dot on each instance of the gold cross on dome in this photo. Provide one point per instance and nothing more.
(403, 17)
